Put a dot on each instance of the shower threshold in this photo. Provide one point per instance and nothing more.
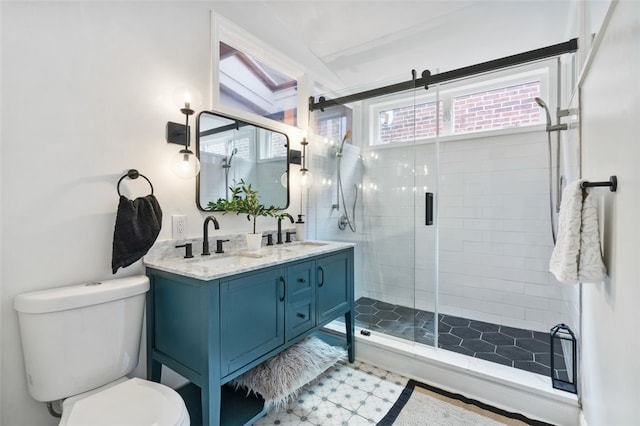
(514, 347)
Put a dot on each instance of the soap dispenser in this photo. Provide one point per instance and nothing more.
(300, 231)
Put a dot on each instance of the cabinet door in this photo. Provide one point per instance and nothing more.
(334, 285)
(301, 313)
(251, 317)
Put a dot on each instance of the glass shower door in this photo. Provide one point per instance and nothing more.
(386, 173)
(397, 290)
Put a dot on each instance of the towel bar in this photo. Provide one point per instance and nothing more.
(134, 174)
(612, 184)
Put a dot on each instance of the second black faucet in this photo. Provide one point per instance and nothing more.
(279, 235)
(205, 232)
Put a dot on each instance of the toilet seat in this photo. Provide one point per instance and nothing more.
(133, 402)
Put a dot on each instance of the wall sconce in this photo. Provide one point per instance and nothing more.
(299, 157)
(564, 368)
(185, 163)
(307, 178)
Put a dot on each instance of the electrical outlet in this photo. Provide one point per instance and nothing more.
(178, 226)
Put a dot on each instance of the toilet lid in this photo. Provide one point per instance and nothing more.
(134, 402)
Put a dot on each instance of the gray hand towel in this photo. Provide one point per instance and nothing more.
(138, 224)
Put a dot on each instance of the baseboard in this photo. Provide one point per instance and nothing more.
(583, 421)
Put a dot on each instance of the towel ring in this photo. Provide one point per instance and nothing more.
(134, 174)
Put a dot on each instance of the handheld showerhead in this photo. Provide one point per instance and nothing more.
(346, 136)
(541, 104)
(226, 161)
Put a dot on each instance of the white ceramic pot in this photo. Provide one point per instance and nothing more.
(254, 241)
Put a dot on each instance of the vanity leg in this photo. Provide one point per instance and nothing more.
(211, 405)
(348, 321)
(154, 370)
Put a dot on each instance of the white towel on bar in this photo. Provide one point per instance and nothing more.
(591, 267)
(576, 255)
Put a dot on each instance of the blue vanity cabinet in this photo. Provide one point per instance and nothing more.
(211, 331)
(301, 298)
(251, 317)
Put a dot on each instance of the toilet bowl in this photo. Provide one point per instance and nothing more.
(126, 402)
(79, 343)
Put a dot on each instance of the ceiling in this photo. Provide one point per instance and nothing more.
(350, 44)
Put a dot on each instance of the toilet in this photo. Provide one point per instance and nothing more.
(79, 343)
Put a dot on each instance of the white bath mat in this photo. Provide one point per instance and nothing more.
(279, 379)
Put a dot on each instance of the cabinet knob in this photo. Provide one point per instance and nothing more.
(301, 315)
(302, 280)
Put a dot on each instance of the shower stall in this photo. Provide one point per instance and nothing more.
(450, 189)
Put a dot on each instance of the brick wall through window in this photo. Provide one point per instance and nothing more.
(501, 108)
(497, 109)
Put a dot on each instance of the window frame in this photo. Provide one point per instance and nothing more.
(545, 71)
(223, 30)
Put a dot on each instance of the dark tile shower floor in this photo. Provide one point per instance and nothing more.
(516, 347)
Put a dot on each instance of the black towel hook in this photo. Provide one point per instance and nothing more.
(134, 174)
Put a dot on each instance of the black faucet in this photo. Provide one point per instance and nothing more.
(279, 234)
(289, 234)
(205, 231)
(219, 246)
(188, 250)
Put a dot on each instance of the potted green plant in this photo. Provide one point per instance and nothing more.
(245, 200)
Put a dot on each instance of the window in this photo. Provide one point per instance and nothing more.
(477, 105)
(272, 145)
(497, 109)
(407, 123)
(333, 123)
(251, 85)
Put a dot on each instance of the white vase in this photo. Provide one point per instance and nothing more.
(254, 241)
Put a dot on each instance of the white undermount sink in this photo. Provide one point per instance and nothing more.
(227, 261)
(301, 245)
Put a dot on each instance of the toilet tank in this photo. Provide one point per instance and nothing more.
(80, 337)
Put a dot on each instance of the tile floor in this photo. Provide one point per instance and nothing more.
(519, 348)
(346, 394)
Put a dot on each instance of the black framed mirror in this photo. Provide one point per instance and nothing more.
(230, 149)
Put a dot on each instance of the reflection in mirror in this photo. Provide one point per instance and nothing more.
(230, 150)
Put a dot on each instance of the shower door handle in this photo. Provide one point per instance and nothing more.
(428, 211)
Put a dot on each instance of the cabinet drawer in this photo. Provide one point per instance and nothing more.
(300, 279)
(301, 318)
(301, 297)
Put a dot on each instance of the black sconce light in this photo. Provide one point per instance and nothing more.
(299, 157)
(185, 164)
(307, 178)
(564, 359)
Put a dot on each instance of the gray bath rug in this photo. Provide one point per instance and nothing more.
(279, 379)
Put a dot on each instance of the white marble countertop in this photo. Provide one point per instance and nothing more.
(233, 262)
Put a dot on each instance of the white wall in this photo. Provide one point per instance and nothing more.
(610, 126)
(86, 91)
